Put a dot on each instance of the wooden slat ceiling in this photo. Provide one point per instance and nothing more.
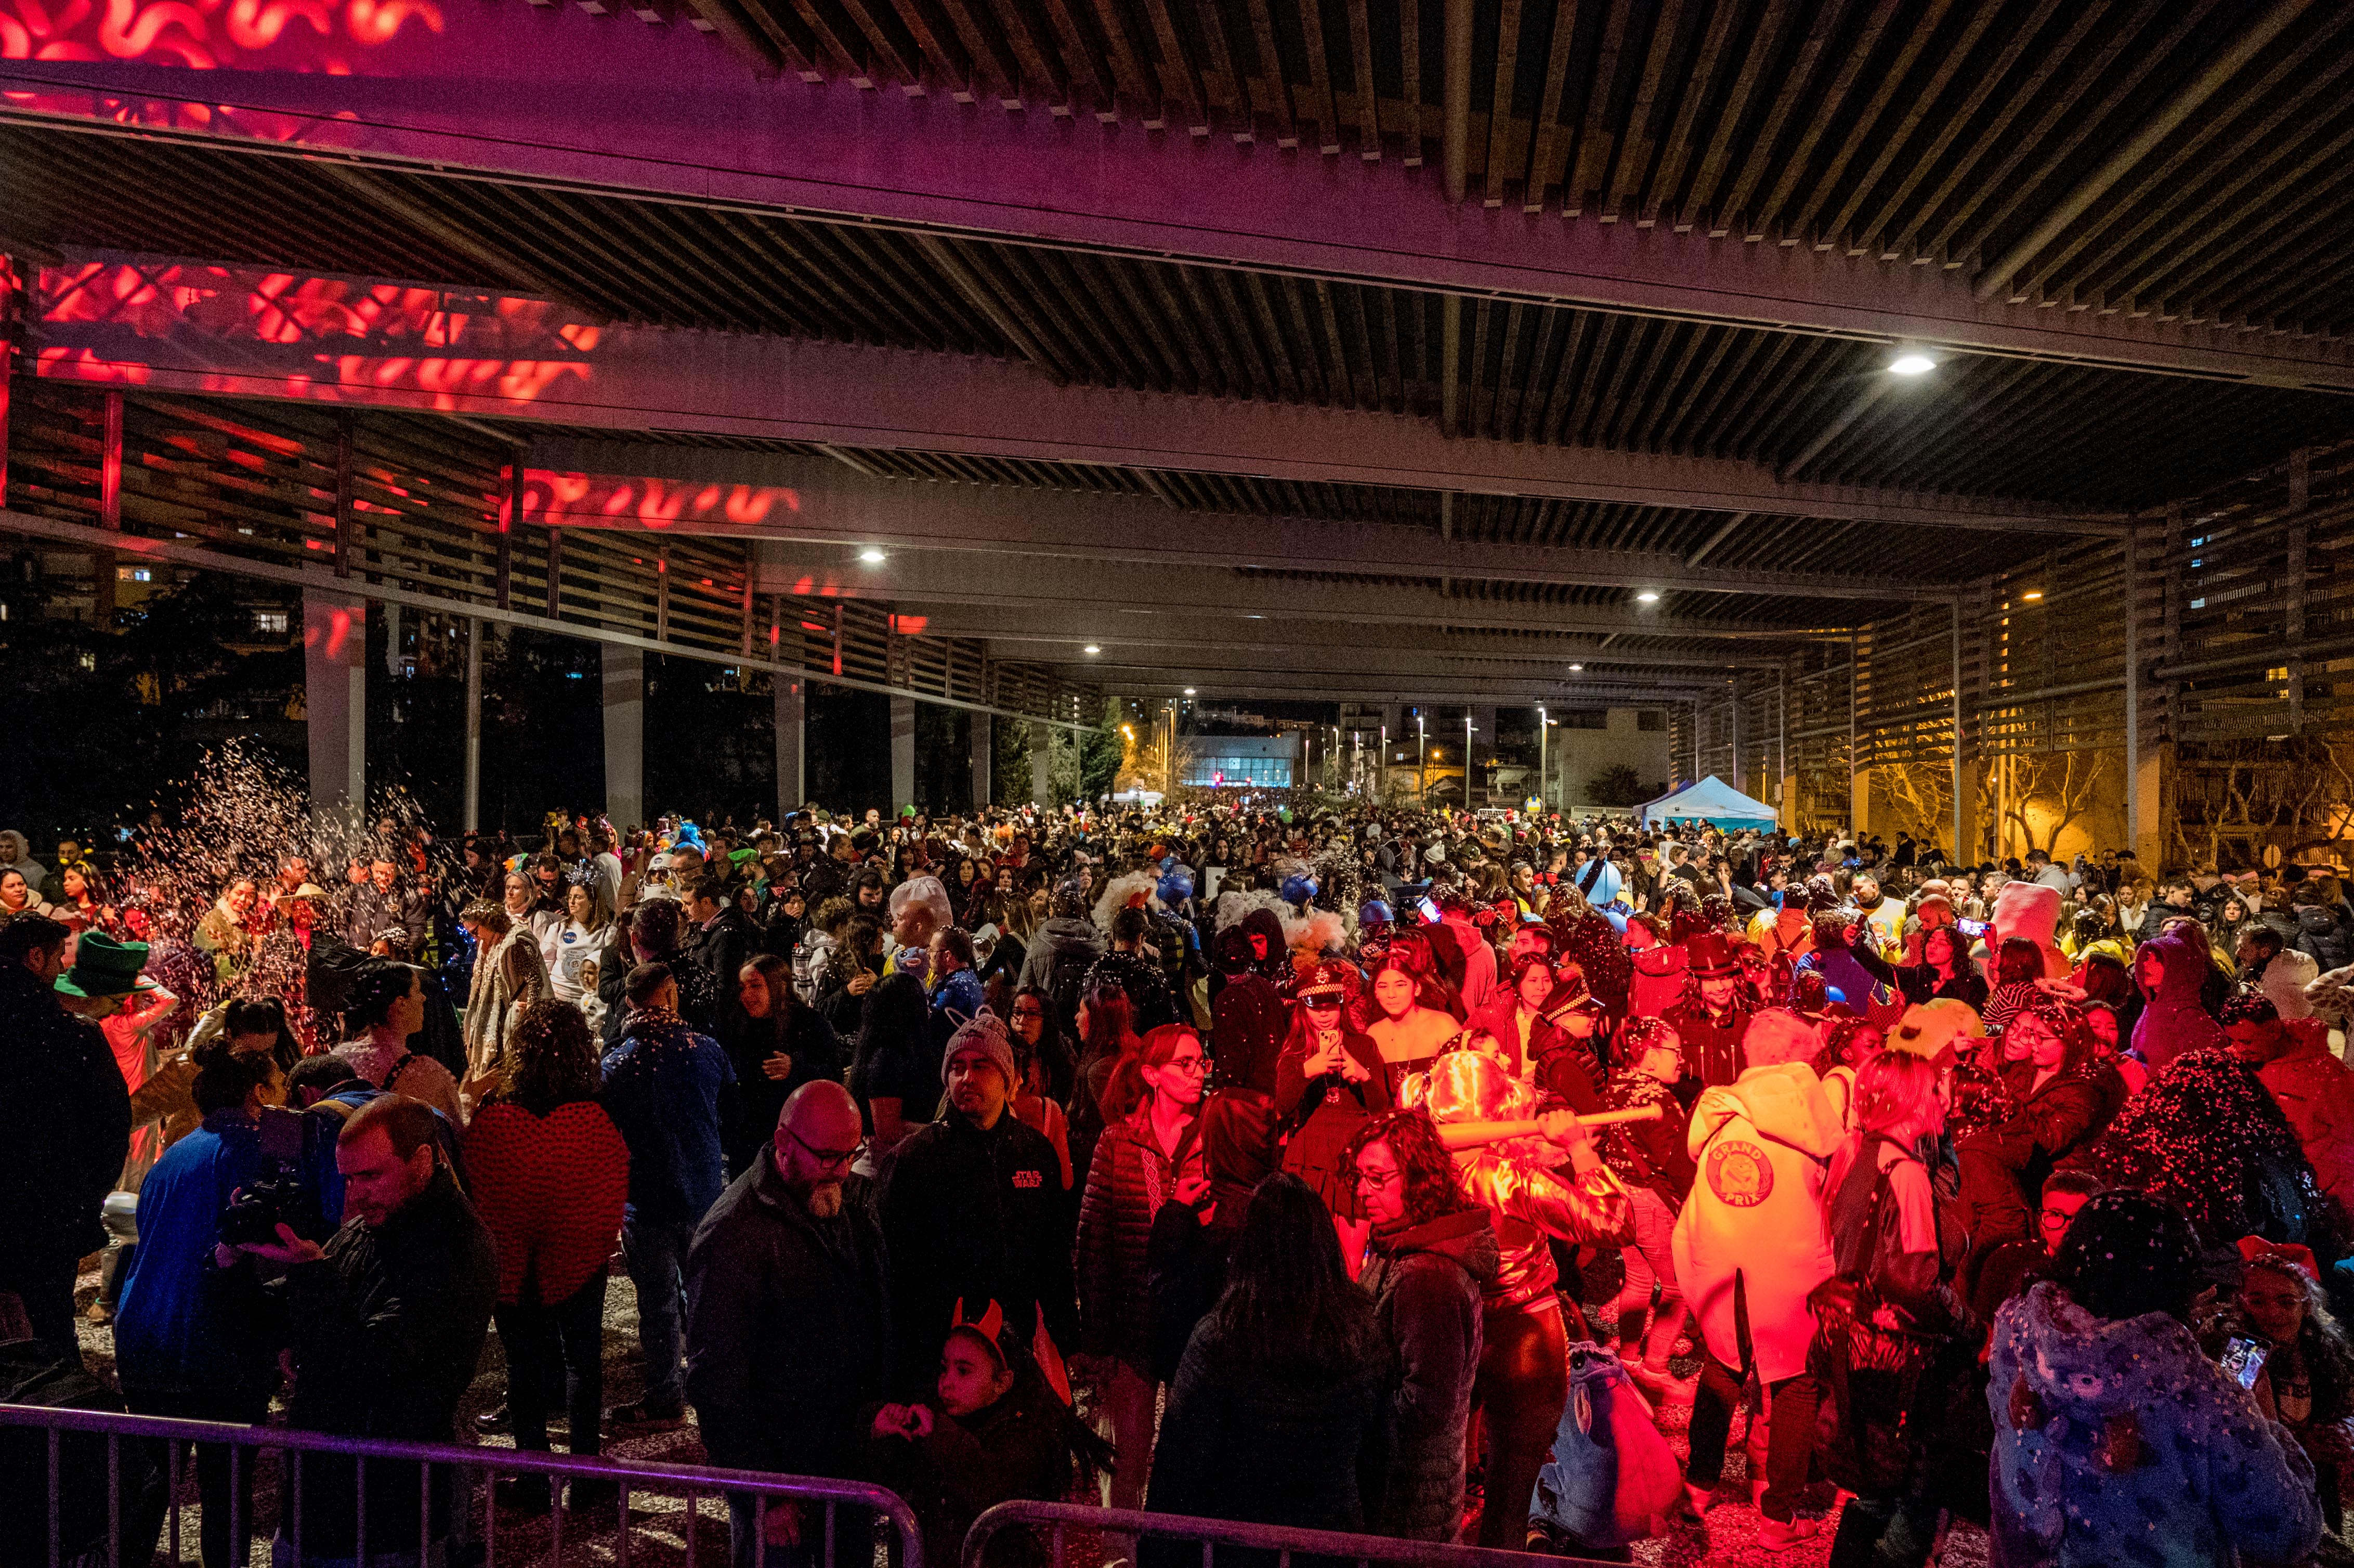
(1938, 132)
(1530, 373)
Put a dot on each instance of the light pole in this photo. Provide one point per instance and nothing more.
(1421, 750)
(1545, 801)
(1466, 759)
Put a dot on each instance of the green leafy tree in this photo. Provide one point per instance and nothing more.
(1616, 785)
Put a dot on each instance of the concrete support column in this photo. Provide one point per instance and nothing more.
(1483, 743)
(1042, 790)
(792, 738)
(2147, 830)
(903, 751)
(1859, 813)
(473, 814)
(625, 736)
(334, 695)
(984, 758)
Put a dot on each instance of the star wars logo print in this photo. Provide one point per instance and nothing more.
(1739, 1173)
(1029, 1179)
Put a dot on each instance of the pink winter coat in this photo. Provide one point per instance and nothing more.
(2174, 1021)
(2316, 1092)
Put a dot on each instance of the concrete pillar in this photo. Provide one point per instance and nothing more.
(1042, 790)
(792, 738)
(1483, 743)
(334, 694)
(473, 814)
(625, 736)
(2147, 830)
(984, 750)
(1966, 776)
(1860, 802)
(903, 751)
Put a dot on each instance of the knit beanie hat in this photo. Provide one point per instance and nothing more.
(985, 1035)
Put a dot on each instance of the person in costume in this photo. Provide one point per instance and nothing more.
(1413, 1024)
(1517, 1395)
(1328, 1081)
(1713, 1018)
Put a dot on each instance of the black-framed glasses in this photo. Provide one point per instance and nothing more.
(831, 1159)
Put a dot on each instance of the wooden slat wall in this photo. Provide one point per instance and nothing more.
(259, 483)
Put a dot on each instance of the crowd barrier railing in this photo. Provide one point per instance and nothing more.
(103, 1503)
(1272, 1544)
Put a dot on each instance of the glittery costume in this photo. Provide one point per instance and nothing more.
(2206, 1134)
(1524, 1360)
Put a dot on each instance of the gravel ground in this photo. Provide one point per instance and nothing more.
(659, 1532)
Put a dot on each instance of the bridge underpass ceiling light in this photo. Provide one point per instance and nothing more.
(1911, 364)
(871, 555)
(1648, 596)
(1091, 648)
(1189, 691)
(1576, 669)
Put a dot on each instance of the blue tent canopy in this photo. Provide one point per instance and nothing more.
(1710, 800)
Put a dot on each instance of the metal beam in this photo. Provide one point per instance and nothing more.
(635, 378)
(1369, 657)
(1023, 632)
(844, 500)
(1341, 687)
(1115, 591)
(551, 95)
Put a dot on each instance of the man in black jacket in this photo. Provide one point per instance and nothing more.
(386, 1322)
(69, 1112)
(785, 1331)
(973, 1210)
(722, 938)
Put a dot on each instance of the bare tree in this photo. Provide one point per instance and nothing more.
(2063, 782)
(1922, 795)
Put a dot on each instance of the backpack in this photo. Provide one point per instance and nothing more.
(1066, 974)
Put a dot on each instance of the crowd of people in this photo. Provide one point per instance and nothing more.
(1380, 1171)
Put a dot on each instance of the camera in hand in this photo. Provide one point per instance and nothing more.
(278, 1195)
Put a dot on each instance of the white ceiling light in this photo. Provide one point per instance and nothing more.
(1911, 364)
(871, 555)
(1091, 648)
(1648, 596)
(1189, 691)
(1573, 669)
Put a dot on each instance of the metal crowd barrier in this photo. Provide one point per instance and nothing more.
(1265, 1542)
(473, 1469)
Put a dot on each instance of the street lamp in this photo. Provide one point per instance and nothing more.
(1544, 801)
(1421, 784)
(1466, 759)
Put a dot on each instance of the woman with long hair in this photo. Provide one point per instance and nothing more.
(1149, 1155)
(1107, 1023)
(1888, 1239)
(776, 1043)
(382, 1012)
(1412, 1025)
(583, 945)
(2308, 1377)
(1280, 1389)
(1431, 1254)
(890, 1076)
(1945, 969)
(548, 1173)
(2059, 1096)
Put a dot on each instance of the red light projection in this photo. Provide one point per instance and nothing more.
(113, 319)
(600, 501)
(331, 36)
